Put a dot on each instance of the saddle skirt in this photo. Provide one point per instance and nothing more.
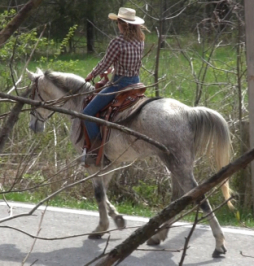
(124, 105)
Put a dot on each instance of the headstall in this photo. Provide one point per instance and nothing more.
(34, 112)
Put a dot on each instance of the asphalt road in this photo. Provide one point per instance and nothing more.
(59, 222)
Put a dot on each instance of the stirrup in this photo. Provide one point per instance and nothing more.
(91, 159)
(83, 156)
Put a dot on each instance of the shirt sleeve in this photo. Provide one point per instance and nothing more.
(111, 55)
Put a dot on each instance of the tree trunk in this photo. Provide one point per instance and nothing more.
(89, 26)
(90, 37)
(249, 21)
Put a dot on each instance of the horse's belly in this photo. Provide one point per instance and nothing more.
(125, 148)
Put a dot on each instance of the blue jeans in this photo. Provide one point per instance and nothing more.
(100, 101)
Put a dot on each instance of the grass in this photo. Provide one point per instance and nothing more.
(69, 202)
(241, 218)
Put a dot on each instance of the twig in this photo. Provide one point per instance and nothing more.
(187, 239)
(246, 256)
(103, 254)
(64, 237)
(38, 232)
(217, 208)
(162, 249)
(34, 262)
(98, 29)
(96, 258)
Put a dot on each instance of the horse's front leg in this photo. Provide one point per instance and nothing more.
(114, 214)
(112, 211)
(100, 196)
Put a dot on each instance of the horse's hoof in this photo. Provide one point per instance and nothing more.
(152, 242)
(218, 253)
(95, 236)
(120, 222)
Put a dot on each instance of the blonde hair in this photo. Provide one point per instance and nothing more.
(132, 32)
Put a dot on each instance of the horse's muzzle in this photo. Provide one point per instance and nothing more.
(36, 126)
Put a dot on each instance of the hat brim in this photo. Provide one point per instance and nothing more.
(137, 21)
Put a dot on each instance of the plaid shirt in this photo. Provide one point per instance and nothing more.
(124, 55)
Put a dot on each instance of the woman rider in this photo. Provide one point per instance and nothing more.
(125, 53)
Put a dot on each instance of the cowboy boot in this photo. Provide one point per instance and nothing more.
(91, 156)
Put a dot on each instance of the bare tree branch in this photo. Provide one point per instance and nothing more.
(85, 117)
(13, 25)
(38, 232)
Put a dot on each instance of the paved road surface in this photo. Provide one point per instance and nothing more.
(58, 222)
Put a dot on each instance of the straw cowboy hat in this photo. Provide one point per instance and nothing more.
(128, 15)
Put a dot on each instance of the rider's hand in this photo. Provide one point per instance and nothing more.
(89, 77)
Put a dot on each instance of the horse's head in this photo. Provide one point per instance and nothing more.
(39, 93)
(52, 86)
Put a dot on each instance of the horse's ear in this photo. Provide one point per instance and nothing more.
(32, 76)
(39, 71)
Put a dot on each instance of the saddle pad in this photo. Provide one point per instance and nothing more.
(131, 111)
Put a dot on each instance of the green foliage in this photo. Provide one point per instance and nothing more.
(36, 177)
(66, 41)
(147, 192)
(17, 49)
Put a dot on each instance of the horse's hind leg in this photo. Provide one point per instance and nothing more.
(216, 229)
(100, 196)
(162, 234)
(185, 182)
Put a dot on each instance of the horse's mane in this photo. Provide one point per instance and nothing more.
(67, 82)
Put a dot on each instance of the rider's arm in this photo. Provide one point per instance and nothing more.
(108, 59)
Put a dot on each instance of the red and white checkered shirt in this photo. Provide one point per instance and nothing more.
(124, 55)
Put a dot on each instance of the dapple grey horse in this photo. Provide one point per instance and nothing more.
(182, 129)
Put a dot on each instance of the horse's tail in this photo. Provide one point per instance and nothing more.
(212, 134)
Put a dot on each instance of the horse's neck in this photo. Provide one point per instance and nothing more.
(76, 103)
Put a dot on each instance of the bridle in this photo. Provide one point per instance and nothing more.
(35, 90)
(34, 112)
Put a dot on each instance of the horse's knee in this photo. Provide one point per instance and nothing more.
(99, 193)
